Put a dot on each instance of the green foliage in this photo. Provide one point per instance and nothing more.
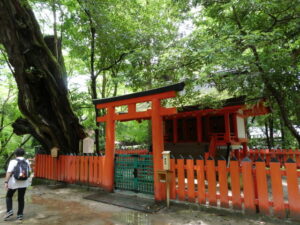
(8, 114)
(248, 48)
(231, 48)
(132, 132)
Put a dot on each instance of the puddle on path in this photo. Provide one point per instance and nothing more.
(75, 211)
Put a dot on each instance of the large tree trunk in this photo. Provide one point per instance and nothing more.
(42, 94)
(271, 128)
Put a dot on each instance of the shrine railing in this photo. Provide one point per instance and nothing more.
(281, 155)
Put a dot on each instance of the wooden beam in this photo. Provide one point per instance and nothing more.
(133, 116)
(170, 94)
(101, 119)
(131, 108)
(167, 111)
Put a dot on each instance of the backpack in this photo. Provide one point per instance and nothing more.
(21, 170)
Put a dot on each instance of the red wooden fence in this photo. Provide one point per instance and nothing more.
(70, 169)
(74, 169)
(251, 186)
(245, 185)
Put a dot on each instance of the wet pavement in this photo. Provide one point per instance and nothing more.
(128, 200)
(67, 206)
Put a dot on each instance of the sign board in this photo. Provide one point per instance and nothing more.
(88, 145)
(54, 152)
(166, 160)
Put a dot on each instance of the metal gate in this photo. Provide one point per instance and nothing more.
(134, 172)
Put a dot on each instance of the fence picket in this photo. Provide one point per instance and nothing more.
(293, 190)
(91, 170)
(81, 169)
(211, 180)
(235, 184)
(67, 171)
(49, 166)
(62, 167)
(201, 181)
(223, 183)
(40, 166)
(277, 189)
(63, 171)
(54, 167)
(173, 181)
(248, 184)
(86, 168)
(99, 170)
(94, 169)
(181, 183)
(44, 165)
(73, 168)
(37, 163)
(101, 161)
(262, 187)
(77, 168)
(191, 179)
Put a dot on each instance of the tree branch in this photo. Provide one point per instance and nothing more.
(7, 62)
(25, 141)
(121, 57)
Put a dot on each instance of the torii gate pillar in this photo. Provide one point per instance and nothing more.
(108, 179)
(158, 148)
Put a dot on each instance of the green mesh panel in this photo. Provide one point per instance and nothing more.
(134, 173)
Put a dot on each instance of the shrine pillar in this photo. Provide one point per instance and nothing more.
(108, 179)
(158, 147)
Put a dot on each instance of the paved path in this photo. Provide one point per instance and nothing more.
(67, 206)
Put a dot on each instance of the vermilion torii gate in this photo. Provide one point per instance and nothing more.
(156, 114)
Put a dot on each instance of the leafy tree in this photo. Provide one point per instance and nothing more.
(122, 37)
(250, 48)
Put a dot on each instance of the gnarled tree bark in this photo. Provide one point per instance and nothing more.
(43, 96)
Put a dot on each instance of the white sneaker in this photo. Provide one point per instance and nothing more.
(8, 214)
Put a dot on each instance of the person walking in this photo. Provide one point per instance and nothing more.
(17, 175)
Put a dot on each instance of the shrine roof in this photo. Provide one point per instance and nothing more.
(237, 101)
(173, 87)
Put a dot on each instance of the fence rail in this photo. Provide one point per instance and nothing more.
(132, 151)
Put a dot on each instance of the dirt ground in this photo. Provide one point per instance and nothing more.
(66, 206)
